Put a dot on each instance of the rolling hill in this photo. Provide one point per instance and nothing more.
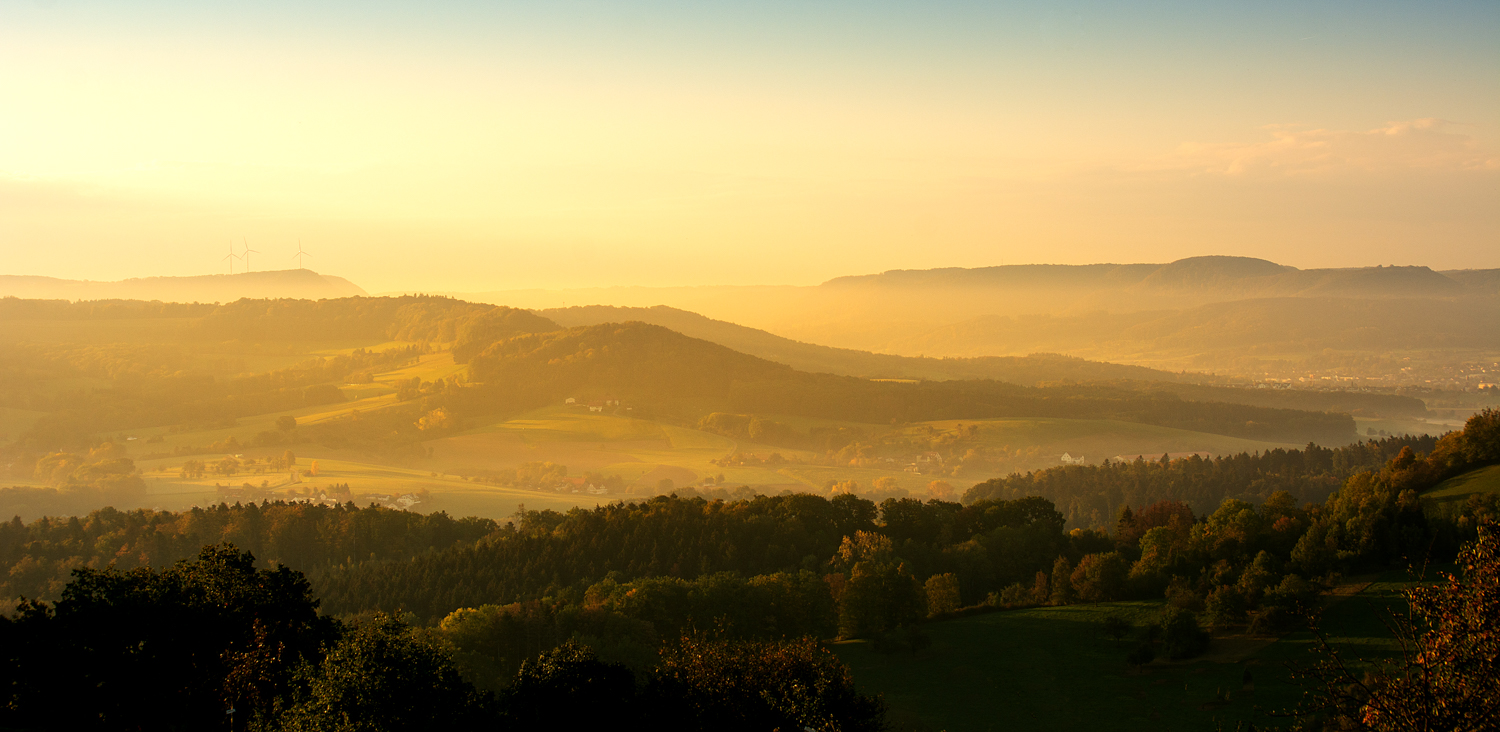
(1026, 370)
(1222, 315)
(688, 377)
(290, 283)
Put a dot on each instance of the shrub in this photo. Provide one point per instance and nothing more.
(1181, 636)
(1100, 577)
(942, 594)
(1226, 606)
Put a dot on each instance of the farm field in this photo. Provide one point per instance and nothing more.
(451, 493)
(642, 452)
(1434, 427)
(1053, 668)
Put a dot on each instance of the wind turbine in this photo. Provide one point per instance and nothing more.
(248, 251)
(300, 254)
(232, 256)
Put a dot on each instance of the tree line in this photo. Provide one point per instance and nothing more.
(1091, 495)
(215, 643)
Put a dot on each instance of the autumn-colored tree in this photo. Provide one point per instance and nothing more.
(942, 594)
(1447, 675)
(881, 592)
(888, 485)
(1062, 583)
(436, 420)
(940, 490)
(1099, 577)
(757, 685)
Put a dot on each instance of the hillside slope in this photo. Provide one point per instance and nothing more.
(290, 283)
(688, 377)
(1025, 370)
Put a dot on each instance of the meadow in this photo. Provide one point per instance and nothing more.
(1054, 668)
(1454, 491)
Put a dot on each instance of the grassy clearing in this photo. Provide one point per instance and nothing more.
(1460, 487)
(1404, 426)
(1053, 668)
(430, 367)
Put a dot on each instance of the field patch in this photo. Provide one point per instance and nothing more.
(1460, 487)
(447, 492)
(1053, 668)
(429, 367)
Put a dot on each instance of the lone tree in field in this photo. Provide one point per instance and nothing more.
(1116, 627)
(1447, 675)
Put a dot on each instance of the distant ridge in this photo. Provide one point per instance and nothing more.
(288, 283)
(1026, 370)
(1229, 277)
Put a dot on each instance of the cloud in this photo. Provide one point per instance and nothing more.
(1412, 146)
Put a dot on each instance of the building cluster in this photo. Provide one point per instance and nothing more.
(927, 462)
(596, 405)
(401, 502)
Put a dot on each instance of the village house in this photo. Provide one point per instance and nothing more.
(1070, 460)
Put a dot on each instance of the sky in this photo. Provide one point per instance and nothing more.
(468, 146)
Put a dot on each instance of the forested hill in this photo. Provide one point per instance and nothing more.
(1089, 494)
(652, 365)
(1032, 370)
(1024, 370)
(1238, 277)
(405, 318)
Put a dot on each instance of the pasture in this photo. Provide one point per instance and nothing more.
(1458, 488)
(1053, 668)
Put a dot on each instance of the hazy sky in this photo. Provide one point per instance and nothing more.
(497, 145)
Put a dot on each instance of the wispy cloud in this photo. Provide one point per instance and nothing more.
(1417, 145)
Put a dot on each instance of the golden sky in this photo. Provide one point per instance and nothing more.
(470, 146)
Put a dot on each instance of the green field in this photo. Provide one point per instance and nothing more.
(1436, 428)
(1053, 669)
(1460, 487)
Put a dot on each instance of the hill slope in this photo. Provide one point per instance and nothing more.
(290, 283)
(1026, 370)
(688, 377)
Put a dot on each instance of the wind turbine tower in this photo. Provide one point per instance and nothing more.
(300, 254)
(232, 256)
(248, 252)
